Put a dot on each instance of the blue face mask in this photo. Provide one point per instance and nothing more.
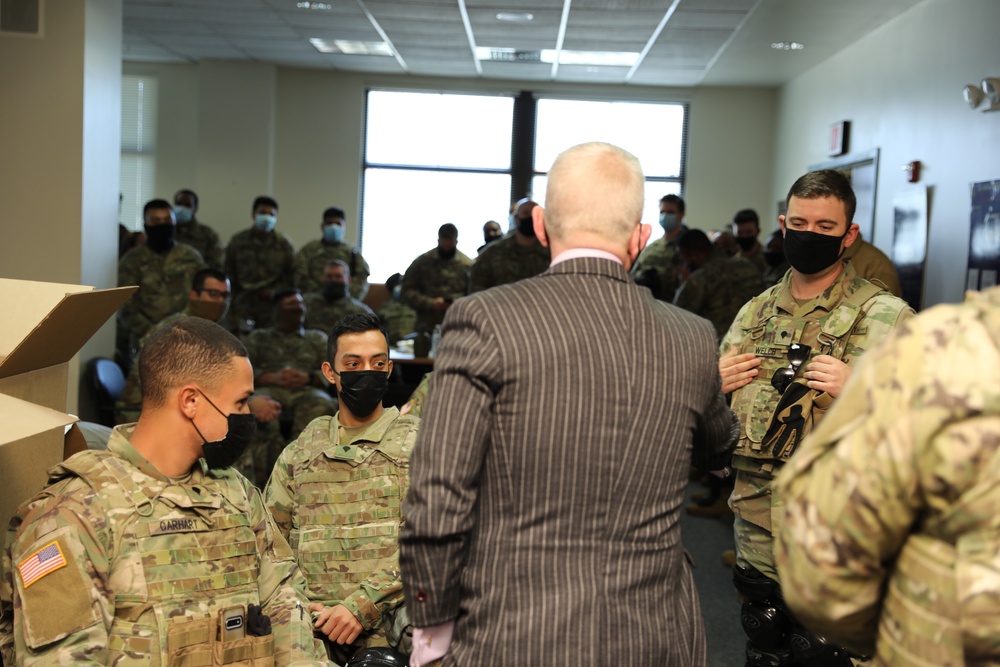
(333, 233)
(183, 214)
(668, 221)
(265, 222)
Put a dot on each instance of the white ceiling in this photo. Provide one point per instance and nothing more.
(681, 42)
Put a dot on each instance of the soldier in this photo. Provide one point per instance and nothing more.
(336, 495)
(259, 262)
(888, 539)
(162, 268)
(725, 241)
(136, 554)
(208, 299)
(312, 259)
(415, 406)
(436, 278)
(746, 229)
(718, 285)
(328, 306)
(774, 257)
(785, 360)
(398, 319)
(491, 233)
(194, 232)
(286, 358)
(657, 265)
(518, 255)
(872, 264)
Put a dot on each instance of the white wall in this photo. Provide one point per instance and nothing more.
(228, 129)
(901, 89)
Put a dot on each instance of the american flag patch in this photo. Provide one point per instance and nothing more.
(44, 561)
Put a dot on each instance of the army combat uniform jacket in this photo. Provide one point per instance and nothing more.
(429, 277)
(115, 564)
(202, 238)
(718, 289)
(336, 494)
(257, 267)
(312, 260)
(164, 281)
(660, 256)
(833, 323)
(891, 530)
(506, 261)
(323, 314)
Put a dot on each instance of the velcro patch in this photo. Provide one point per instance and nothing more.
(45, 561)
(406, 408)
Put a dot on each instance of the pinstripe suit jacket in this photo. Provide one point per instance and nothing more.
(549, 472)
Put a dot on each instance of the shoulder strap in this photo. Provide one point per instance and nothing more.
(857, 302)
(103, 471)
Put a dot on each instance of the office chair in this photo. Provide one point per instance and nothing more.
(108, 382)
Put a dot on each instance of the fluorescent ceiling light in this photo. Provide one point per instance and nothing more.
(787, 46)
(594, 58)
(351, 48)
(515, 17)
(318, 6)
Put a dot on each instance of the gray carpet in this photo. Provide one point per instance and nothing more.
(705, 540)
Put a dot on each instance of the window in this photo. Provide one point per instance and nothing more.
(138, 161)
(432, 158)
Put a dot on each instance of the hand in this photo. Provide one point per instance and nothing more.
(440, 305)
(264, 408)
(294, 378)
(737, 370)
(337, 623)
(826, 373)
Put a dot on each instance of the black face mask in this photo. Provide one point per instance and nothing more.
(489, 238)
(810, 252)
(224, 453)
(746, 242)
(334, 291)
(774, 258)
(362, 391)
(160, 238)
(526, 226)
(446, 254)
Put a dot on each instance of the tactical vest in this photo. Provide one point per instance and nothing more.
(767, 333)
(178, 559)
(349, 510)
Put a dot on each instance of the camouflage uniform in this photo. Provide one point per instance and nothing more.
(890, 535)
(718, 289)
(755, 256)
(202, 238)
(766, 326)
(271, 350)
(774, 274)
(312, 260)
(336, 495)
(507, 261)
(661, 256)
(398, 319)
(163, 280)
(148, 564)
(430, 277)
(257, 267)
(873, 265)
(415, 405)
(322, 314)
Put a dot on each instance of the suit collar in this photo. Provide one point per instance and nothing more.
(590, 266)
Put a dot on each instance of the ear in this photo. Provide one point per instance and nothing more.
(852, 235)
(389, 368)
(637, 240)
(781, 224)
(327, 370)
(538, 221)
(188, 398)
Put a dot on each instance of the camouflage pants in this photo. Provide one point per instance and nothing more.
(754, 547)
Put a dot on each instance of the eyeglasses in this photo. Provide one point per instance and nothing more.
(216, 294)
(797, 355)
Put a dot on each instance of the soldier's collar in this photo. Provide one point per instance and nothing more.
(372, 433)
(828, 300)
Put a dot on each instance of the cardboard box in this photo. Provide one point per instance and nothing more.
(44, 326)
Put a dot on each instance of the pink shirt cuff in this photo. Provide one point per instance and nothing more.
(430, 644)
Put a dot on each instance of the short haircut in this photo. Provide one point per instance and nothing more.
(154, 205)
(393, 280)
(594, 188)
(825, 183)
(198, 283)
(340, 262)
(746, 215)
(189, 349)
(283, 294)
(334, 212)
(352, 324)
(448, 231)
(675, 200)
(694, 240)
(263, 201)
(185, 191)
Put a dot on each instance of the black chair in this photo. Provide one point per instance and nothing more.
(108, 381)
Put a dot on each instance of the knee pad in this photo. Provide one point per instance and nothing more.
(767, 658)
(754, 586)
(813, 650)
(766, 624)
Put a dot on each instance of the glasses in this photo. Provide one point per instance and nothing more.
(797, 355)
(216, 294)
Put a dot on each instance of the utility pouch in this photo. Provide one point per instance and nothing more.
(196, 644)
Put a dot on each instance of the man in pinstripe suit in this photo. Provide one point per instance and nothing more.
(542, 524)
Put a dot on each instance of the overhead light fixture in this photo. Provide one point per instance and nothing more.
(787, 46)
(351, 48)
(987, 90)
(564, 57)
(317, 6)
(515, 17)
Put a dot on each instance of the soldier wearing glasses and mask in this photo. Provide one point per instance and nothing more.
(336, 495)
(784, 361)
